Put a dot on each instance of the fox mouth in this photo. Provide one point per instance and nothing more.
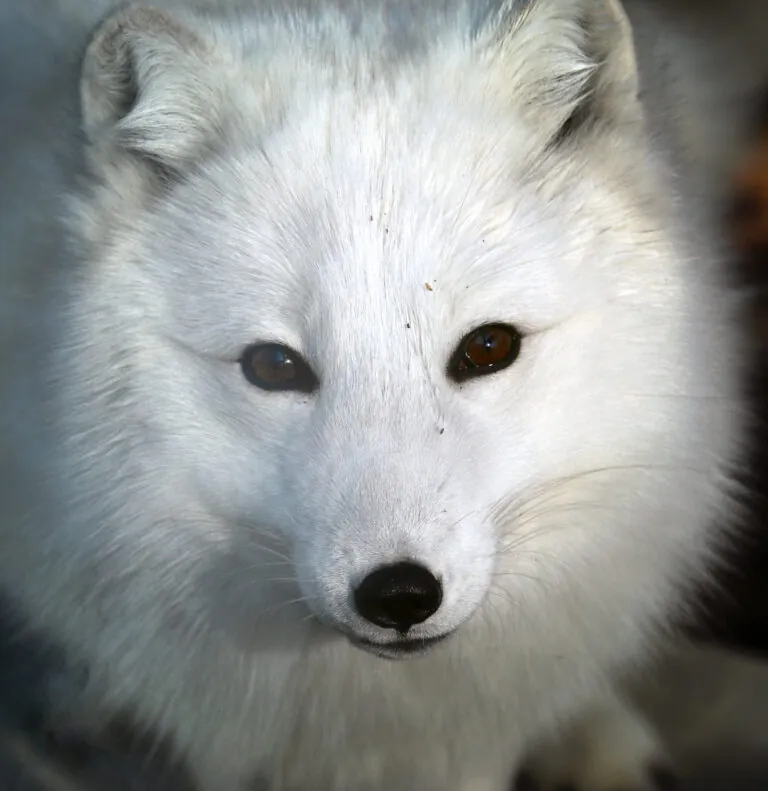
(399, 649)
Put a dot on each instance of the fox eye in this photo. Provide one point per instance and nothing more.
(274, 367)
(486, 350)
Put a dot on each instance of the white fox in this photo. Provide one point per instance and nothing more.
(370, 387)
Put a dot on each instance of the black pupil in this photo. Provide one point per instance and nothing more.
(274, 364)
(488, 348)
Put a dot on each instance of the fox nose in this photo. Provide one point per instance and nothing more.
(398, 596)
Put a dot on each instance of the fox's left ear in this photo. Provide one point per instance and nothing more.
(147, 88)
(570, 61)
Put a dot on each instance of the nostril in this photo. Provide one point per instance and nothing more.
(398, 596)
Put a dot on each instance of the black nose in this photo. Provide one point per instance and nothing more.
(398, 596)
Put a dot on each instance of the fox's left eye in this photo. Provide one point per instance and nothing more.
(272, 366)
(486, 350)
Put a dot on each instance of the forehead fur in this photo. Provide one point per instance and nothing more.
(525, 52)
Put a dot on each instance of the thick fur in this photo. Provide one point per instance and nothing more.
(366, 183)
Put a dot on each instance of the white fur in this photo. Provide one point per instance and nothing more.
(175, 527)
(612, 746)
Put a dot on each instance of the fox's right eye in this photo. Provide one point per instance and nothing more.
(274, 367)
(486, 350)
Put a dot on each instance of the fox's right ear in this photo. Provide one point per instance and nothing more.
(145, 87)
(572, 60)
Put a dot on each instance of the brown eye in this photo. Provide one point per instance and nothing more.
(272, 366)
(486, 350)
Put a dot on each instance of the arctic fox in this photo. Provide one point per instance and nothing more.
(370, 387)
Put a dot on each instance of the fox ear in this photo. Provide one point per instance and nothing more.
(574, 58)
(144, 87)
